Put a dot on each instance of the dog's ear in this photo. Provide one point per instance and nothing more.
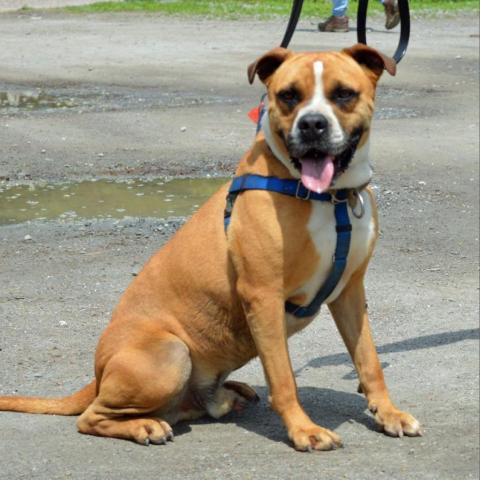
(267, 64)
(372, 60)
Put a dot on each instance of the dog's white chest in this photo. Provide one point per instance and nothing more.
(323, 233)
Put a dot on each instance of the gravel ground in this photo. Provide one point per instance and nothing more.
(150, 96)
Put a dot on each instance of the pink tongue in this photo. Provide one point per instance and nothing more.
(317, 175)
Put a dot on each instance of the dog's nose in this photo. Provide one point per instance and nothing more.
(312, 124)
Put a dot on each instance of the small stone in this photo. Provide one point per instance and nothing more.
(43, 150)
(136, 270)
(27, 238)
(183, 129)
(100, 155)
(421, 182)
(62, 323)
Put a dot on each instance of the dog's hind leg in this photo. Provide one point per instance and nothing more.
(138, 381)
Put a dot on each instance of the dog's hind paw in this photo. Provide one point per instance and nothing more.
(231, 396)
(244, 390)
(151, 431)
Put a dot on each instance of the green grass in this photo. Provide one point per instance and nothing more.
(263, 9)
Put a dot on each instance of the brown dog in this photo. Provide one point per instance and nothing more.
(210, 300)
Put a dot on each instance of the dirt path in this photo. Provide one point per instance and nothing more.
(142, 95)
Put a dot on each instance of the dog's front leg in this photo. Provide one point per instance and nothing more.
(266, 318)
(350, 314)
(258, 250)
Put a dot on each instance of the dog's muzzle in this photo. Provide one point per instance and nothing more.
(318, 159)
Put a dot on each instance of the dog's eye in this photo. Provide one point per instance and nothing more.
(290, 97)
(344, 95)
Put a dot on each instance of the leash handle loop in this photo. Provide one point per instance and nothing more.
(403, 9)
(404, 12)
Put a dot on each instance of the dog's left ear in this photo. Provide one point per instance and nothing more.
(371, 59)
(267, 64)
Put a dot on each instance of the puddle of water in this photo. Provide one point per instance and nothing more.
(31, 100)
(105, 199)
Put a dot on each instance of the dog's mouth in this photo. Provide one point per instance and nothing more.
(317, 170)
(319, 167)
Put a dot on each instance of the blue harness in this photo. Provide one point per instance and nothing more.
(295, 188)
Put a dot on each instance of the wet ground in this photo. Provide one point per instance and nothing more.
(113, 113)
(105, 199)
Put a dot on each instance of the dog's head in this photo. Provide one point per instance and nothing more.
(320, 107)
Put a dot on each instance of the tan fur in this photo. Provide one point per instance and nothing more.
(209, 301)
(71, 405)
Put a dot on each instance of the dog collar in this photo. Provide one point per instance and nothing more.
(295, 188)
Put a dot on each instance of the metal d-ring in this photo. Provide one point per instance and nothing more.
(334, 200)
(360, 201)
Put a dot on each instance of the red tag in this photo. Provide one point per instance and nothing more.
(254, 114)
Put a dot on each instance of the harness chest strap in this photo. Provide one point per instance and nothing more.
(295, 188)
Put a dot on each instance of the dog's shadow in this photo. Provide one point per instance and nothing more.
(326, 407)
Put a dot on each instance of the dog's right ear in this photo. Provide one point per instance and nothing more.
(267, 64)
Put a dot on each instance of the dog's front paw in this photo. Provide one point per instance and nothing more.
(314, 437)
(395, 422)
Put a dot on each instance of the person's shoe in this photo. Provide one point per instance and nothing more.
(392, 15)
(335, 24)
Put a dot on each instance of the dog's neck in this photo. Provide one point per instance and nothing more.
(261, 160)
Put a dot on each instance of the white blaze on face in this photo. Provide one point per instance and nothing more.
(319, 104)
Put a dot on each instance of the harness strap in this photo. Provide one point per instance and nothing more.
(344, 229)
(291, 187)
(295, 188)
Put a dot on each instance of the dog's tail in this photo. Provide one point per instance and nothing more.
(74, 404)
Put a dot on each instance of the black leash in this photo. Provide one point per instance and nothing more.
(403, 9)
(292, 23)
